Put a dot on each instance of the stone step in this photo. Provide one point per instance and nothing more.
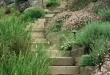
(62, 61)
(35, 35)
(58, 53)
(69, 70)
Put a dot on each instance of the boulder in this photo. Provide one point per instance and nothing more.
(21, 5)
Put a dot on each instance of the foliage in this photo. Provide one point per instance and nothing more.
(80, 4)
(99, 49)
(30, 63)
(13, 36)
(66, 40)
(33, 13)
(87, 60)
(52, 3)
(56, 27)
(92, 31)
(104, 13)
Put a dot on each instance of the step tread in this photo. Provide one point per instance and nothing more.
(58, 53)
(64, 70)
(49, 15)
(38, 30)
(37, 35)
(62, 61)
(39, 40)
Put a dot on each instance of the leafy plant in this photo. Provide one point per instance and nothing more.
(87, 60)
(66, 40)
(52, 3)
(33, 13)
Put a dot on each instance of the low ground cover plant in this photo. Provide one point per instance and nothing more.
(52, 3)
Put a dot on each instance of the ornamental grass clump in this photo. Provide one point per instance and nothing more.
(13, 36)
(30, 63)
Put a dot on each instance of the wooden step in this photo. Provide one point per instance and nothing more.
(49, 15)
(77, 52)
(78, 61)
(69, 70)
(38, 30)
(62, 61)
(38, 40)
(58, 53)
(37, 35)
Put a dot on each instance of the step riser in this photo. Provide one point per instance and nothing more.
(64, 70)
(57, 53)
(62, 61)
(33, 37)
(78, 61)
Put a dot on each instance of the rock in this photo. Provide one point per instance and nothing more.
(33, 2)
(2, 3)
(37, 3)
(22, 5)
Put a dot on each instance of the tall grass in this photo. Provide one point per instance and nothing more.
(31, 63)
(13, 35)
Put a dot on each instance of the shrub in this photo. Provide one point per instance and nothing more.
(92, 31)
(33, 13)
(99, 49)
(30, 63)
(87, 60)
(52, 3)
(105, 14)
(13, 35)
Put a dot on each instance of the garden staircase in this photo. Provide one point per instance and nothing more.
(64, 62)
